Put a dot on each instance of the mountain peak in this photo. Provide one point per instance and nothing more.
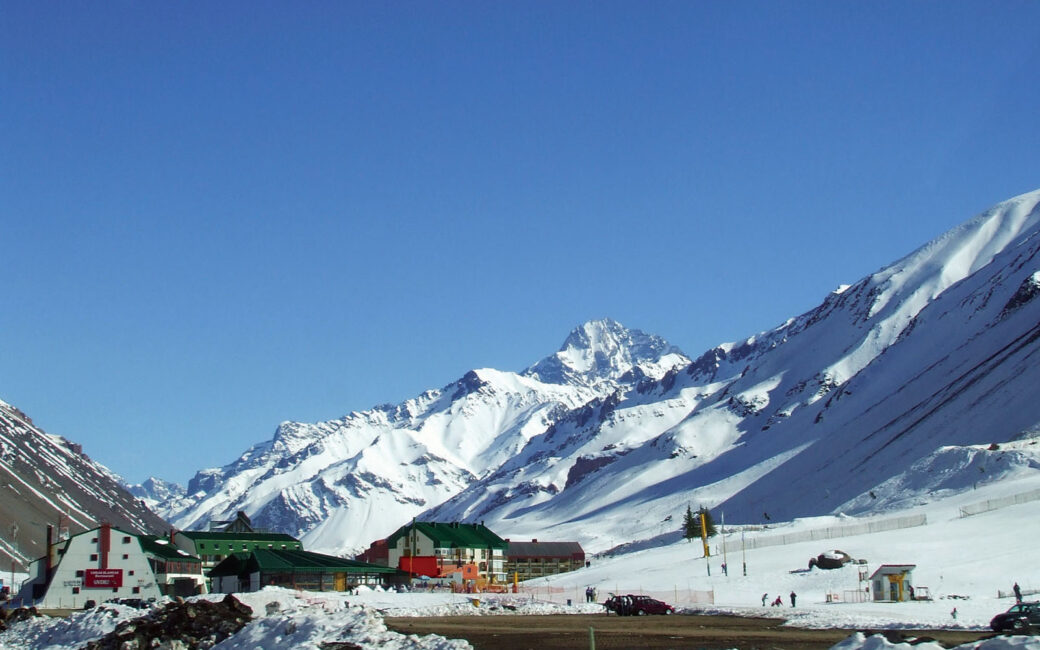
(603, 351)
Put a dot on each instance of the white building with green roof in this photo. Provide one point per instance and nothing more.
(214, 546)
(102, 564)
(452, 543)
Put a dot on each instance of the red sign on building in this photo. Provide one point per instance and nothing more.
(102, 578)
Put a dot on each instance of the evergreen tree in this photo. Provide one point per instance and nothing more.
(692, 523)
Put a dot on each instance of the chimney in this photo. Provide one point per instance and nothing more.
(105, 544)
(48, 563)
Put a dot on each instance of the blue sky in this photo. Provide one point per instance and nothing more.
(218, 216)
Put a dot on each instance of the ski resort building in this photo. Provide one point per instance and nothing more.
(448, 546)
(214, 546)
(177, 572)
(296, 569)
(377, 553)
(534, 559)
(103, 564)
(891, 582)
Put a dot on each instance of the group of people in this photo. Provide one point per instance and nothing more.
(779, 602)
(590, 594)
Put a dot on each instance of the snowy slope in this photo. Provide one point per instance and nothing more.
(341, 484)
(936, 350)
(47, 480)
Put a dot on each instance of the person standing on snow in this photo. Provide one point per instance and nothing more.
(1018, 593)
(765, 597)
(793, 596)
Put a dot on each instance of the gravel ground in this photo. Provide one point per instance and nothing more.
(680, 631)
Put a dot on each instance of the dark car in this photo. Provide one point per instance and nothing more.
(632, 605)
(1021, 618)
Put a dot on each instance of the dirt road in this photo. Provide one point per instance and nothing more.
(680, 631)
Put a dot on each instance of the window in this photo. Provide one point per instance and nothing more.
(202, 545)
(136, 590)
(75, 590)
(93, 540)
(93, 557)
(130, 572)
(79, 573)
(125, 556)
(126, 539)
(115, 590)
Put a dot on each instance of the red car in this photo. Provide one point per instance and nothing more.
(632, 605)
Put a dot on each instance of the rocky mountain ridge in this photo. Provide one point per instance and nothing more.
(369, 471)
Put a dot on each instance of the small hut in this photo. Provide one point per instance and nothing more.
(891, 582)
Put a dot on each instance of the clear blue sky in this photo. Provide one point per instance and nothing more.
(218, 216)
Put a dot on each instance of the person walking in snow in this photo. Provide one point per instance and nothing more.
(765, 597)
(1018, 593)
(953, 613)
(779, 602)
(793, 596)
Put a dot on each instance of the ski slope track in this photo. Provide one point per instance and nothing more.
(613, 436)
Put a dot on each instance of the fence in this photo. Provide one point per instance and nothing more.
(1002, 502)
(849, 596)
(848, 530)
(1011, 594)
(675, 596)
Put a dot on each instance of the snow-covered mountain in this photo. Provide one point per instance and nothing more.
(343, 483)
(613, 436)
(155, 491)
(47, 480)
(938, 350)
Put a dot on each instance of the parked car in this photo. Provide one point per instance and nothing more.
(1021, 618)
(633, 605)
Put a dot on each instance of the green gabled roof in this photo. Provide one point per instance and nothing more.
(219, 536)
(233, 565)
(161, 547)
(267, 560)
(273, 560)
(452, 535)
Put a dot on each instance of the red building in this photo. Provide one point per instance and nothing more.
(377, 553)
